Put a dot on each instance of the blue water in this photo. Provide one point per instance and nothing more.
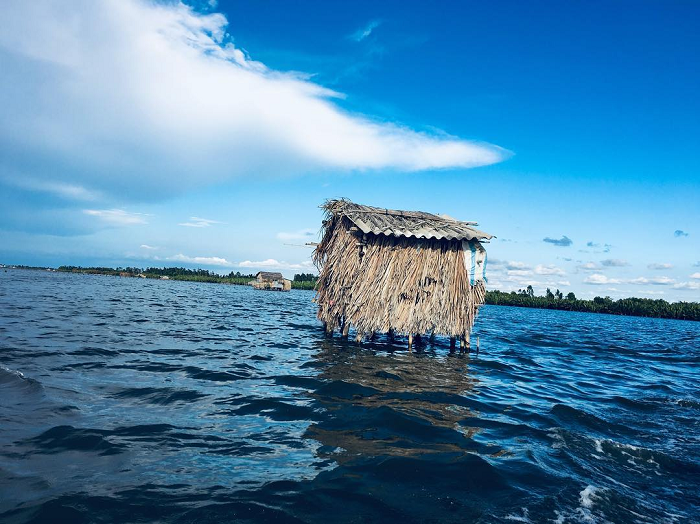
(130, 400)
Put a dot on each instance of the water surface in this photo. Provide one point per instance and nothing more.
(130, 400)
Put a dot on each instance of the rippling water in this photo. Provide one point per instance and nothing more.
(128, 400)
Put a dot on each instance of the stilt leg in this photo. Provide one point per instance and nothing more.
(453, 342)
(468, 342)
(432, 338)
(346, 329)
(358, 338)
(410, 341)
(391, 335)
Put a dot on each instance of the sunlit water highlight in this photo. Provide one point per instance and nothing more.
(132, 400)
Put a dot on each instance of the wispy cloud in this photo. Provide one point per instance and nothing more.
(271, 263)
(146, 246)
(199, 222)
(695, 275)
(660, 266)
(656, 281)
(204, 261)
(365, 31)
(117, 216)
(302, 234)
(614, 262)
(598, 279)
(679, 233)
(564, 241)
(60, 189)
(549, 270)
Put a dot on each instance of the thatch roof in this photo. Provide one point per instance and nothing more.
(404, 271)
(267, 275)
(416, 224)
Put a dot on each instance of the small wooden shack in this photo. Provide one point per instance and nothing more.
(399, 272)
(269, 281)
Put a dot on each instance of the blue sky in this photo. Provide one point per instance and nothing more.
(207, 135)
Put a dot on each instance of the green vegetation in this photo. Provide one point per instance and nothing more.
(302, 281)
(641, 307)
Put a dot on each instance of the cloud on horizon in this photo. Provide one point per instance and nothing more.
(142, 99)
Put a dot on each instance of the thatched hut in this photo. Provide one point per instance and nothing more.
(399, 272)
(270, 281)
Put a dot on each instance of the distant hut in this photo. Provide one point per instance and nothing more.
(269, 281)
(403, 272)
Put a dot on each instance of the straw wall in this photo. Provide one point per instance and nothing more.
(408, 285)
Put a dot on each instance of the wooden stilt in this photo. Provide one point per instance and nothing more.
(346, 329)
(391, 335)
(358, 338)
(467, 342)
(410, 341)
(432, 338)
(453, 342)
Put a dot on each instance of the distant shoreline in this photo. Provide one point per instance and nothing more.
(637, 307)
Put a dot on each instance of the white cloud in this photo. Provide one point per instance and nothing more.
(302, 234)
(117, 217)
(687, 285)
(660, 266)
(365, 31)
(205, 261)
(549, 270)
(515, 264)
(146, 246)
(600, 279)
(199, 222)
(589, 266)
(695, 275)
(271, 263)
(134, 94)
(657, 281)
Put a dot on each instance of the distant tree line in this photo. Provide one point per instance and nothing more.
(301, 281)
(640, 307)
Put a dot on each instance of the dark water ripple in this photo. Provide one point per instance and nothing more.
(127, 400)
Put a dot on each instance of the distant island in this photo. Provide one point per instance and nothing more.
(640, 307)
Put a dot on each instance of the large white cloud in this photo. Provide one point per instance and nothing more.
(126, 96)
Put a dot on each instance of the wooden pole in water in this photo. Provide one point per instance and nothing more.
(358, 338)
(453, 342)
(346, 329)
(410, 341)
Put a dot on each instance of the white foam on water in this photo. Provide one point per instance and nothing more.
(519, 518)
(587, 495)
